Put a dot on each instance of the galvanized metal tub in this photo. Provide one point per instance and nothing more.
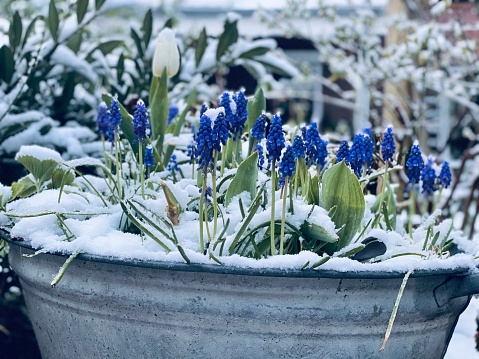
(106, 308)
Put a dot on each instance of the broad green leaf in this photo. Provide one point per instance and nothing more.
(273, 67)
(315, 232)
(201, 46)
(42, 170)
(15, 30)
(6, 64)
(170, 23)
(82, 7)
(99, 4)
(256, 51)
(126, 121)
(105, 48)
(159, 106)
(147, 28)
(137, 40)
(75, 41)
(120, 68)
(255, 107)
(25, 187)
(341, 188)
(53, 20)
(244, 179)
(227, 38)
(62, 178)
(30, 28)
(313, 189)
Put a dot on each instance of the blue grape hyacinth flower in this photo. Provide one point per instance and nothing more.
(414, 164)
(287, 166)
(103, 120)
(240, 116)
(149, 159)
(203, 109)
(275, 140)
(172, 164)
(343, 151)
(220, 132)
(204, 140)
(359, 153)
(259, 127)
(428, 177)
(260, 151)
(299, 148)
(316, 147)
(140, 122)
(445, 176)
(388, 146)
(114, 119)
(172, 112)
(226, 103)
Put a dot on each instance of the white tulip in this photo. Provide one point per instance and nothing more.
(166, 54)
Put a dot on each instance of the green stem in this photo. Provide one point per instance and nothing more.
(142, 174)
(202, 196)
(215, 202)
(412, 205)
(118, 166)
(383, 194)
(283, 215)
(273, 200)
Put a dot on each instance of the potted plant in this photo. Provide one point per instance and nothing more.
(233, 241)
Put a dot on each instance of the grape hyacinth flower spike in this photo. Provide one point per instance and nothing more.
(114, 119)
(343, 151)
(260, 151)
(414, 164)
(172, 112)
(140, 122)
(358, 154)
(445, 176)
(140, 127)
(240, 115)
(102, 120)
(299, 148)
(388, 147)
(274, 146)
(149, 159)
(428, 177)
(259, 128)
(316, 147)
(204, 140)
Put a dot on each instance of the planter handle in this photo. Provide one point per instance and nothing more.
(455, 287)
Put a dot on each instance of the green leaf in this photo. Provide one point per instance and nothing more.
(7, 64)
(276, 69)
(341, 188)
(201, 46)
(227, 38)
(316, 232)
(120, 68)
(159, 106)
(82, 7)
(15, 30)
(30, 28)
(137, 40)
(313, 188)
(53, 20)
(105, 48)
(42, 170)
(99, 4)
(126, 121)
(255, 106)
(75, 41)
(256, 51)
(62, 178)
(147, 28)
(25, 187)
(244, 179)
